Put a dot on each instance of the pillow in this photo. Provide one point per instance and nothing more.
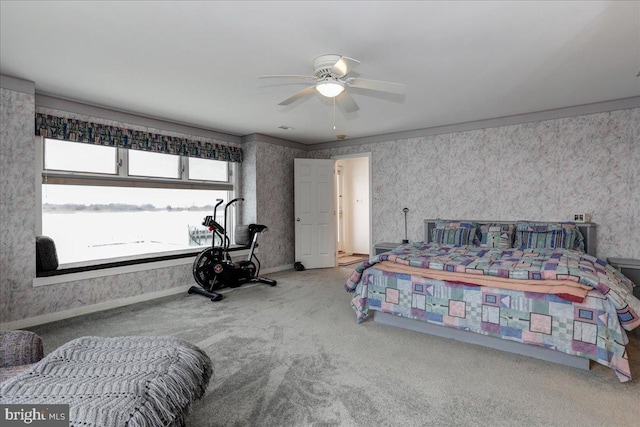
(548, 235)
(454, 233)
(497, 235)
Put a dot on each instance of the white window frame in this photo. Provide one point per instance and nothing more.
(122, 179)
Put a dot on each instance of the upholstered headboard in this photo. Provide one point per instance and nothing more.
(588, 230)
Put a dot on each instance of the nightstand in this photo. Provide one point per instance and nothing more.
(629, 267)
(385, 247)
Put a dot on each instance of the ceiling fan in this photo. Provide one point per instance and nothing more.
(331, 80)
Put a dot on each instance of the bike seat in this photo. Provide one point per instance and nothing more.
(257, 228)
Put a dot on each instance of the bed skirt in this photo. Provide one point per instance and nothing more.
(470, 337)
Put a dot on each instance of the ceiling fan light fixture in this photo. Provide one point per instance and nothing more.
(330, 88)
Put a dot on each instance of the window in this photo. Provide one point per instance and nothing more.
(207, 170)
(79, 157)
(158, 165)
(100, 204)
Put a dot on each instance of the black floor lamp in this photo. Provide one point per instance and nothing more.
(406, 240)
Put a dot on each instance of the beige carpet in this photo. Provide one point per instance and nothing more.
(351, 259)
(293, 355)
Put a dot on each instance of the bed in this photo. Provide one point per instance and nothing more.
(528, 287)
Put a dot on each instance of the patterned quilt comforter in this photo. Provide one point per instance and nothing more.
(561, 299)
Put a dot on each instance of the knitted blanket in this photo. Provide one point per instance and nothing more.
(132, 381)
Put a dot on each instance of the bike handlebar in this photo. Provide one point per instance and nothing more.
(239, 199)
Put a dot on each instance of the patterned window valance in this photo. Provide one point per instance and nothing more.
(94, 133)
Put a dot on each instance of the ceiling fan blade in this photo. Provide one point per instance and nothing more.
(291, 76)
(344, 65)
(378, 85)
(298, 95)
(347, 103)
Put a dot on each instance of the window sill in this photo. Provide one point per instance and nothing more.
(70, 274)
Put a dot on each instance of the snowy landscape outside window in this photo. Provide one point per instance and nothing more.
(102, 204)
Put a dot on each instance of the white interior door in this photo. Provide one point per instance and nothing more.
(341, 236)
(315, 219)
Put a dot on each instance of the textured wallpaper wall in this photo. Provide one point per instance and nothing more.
(249, 183)
(19, 299)
(17, 201)
(544, 170)
(274, 202)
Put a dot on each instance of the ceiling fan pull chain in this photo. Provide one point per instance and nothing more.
(334, 114)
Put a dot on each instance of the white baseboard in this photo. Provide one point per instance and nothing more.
(276, 269)
(79, 311)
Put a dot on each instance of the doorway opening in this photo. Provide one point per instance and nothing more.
(353, 205)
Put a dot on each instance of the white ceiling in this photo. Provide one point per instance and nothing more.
(198, 63)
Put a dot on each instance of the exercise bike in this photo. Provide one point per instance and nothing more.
(213, 268)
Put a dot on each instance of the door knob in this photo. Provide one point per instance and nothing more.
(298, 219)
